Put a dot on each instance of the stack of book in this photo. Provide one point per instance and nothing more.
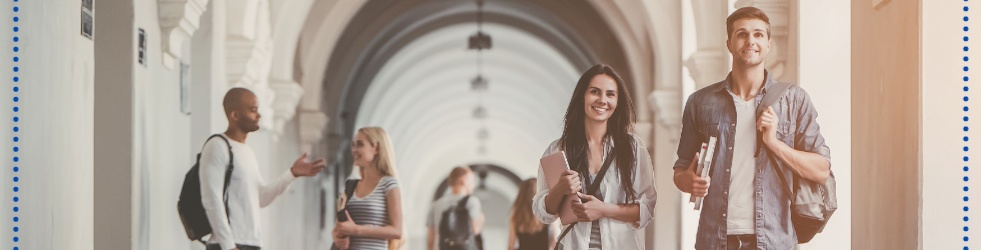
(704, 166)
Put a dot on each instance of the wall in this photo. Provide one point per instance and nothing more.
(162, 131)
(54, 127)
(886, 122)
(824, 71)
(945, 172)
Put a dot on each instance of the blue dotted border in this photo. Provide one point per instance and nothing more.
(966, 119)
(16, 138)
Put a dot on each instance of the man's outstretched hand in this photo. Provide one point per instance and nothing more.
(303, 168)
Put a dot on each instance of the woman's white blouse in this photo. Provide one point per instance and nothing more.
(615, 234)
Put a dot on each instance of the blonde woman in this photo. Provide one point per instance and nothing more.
(375, 209)
(526, 230)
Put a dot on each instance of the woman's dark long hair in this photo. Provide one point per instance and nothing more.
(619, 126)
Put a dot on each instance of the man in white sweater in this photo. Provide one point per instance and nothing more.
(236, 226)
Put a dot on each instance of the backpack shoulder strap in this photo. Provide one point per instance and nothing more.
(592, 189)
(769, 98)
(231, 160)
(463, 202)
(228, 171)
(349, 187)
(772, 96)
(783, 180)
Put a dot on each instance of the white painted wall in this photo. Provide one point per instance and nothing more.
(941, 86)
(824, 49)
(163, 133)
(55, 127)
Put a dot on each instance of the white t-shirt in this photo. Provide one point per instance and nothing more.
(741, 199)
(247, 192)
(444, 203)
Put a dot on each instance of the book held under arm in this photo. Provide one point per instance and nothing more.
(553, 166)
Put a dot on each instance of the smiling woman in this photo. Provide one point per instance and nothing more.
(375, 206)
(598, 139)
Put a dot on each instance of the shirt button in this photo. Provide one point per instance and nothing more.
(733, 124)
(730, 148)
(723, 215)
(727, 170)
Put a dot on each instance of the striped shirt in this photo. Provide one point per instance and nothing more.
(372, 210)
(595, 236)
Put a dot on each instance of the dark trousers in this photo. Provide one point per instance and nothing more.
(239, 246)
(741, 242)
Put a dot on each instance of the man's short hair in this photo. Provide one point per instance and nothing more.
(456, 176)
(744, 13)
(233, 99)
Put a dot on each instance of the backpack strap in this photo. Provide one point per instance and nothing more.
(349, 187)
(228, 174)
(462, 205)
(463, 202)
(228, 171)
(592, 188)
(770, 97)
(783, 180)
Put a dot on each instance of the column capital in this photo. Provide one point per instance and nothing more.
(178, 21)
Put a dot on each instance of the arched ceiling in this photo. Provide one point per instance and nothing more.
(422, 96)
(404, 66)
(382, 28)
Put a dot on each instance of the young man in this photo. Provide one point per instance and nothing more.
(746, 205)
(462, 184)
(237, 225)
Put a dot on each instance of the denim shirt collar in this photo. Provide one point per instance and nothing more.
(726, 84)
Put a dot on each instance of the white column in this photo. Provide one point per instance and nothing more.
(709, 63)
(178, 21)
(312, 125)
(287, 19)
(115, 145)
(248, 48)
(287, 97)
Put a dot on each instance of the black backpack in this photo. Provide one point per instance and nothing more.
(456, 228)
(189, 206)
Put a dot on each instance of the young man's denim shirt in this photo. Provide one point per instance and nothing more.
(711, 112)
